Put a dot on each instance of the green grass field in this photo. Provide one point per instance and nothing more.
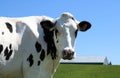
(87, 71)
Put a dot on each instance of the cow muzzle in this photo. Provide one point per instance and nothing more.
(68, 54)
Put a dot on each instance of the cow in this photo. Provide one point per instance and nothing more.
(31, 47)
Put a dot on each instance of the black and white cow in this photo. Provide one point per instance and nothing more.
(31, 47)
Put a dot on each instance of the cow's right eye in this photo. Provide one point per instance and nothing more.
(76, 33)
(72, 18)
(56, 31)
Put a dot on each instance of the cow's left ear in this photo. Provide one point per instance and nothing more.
(47, 24)
(84, 26)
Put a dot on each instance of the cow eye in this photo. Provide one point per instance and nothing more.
(73, 18)
(56, 31)
(76, 33)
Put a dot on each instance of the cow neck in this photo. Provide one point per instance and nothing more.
(49, 39)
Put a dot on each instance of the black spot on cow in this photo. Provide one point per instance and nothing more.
(30, 59)
(47, 24)
(2, 33)
(49, 39)
(39, 63)
(7, 53)
(42, 55)
(10, 46)
(38, 46)
(1, 48)
(9, 26)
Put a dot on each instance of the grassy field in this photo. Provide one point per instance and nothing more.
(87, 71)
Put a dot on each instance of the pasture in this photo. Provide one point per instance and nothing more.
(87, 71)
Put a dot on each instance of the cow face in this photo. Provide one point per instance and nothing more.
(65, 31)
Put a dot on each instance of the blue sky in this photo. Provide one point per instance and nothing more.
(102, 39)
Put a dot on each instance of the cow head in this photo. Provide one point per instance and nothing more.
(65, 31)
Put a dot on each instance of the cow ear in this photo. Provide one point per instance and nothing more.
(84, 26)
(47, 24)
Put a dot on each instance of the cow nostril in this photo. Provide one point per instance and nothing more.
(69, 54)
(73, 53)
(64, 52)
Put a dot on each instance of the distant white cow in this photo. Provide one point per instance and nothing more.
(31, 47)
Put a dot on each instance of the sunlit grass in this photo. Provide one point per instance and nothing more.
(87, 71)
